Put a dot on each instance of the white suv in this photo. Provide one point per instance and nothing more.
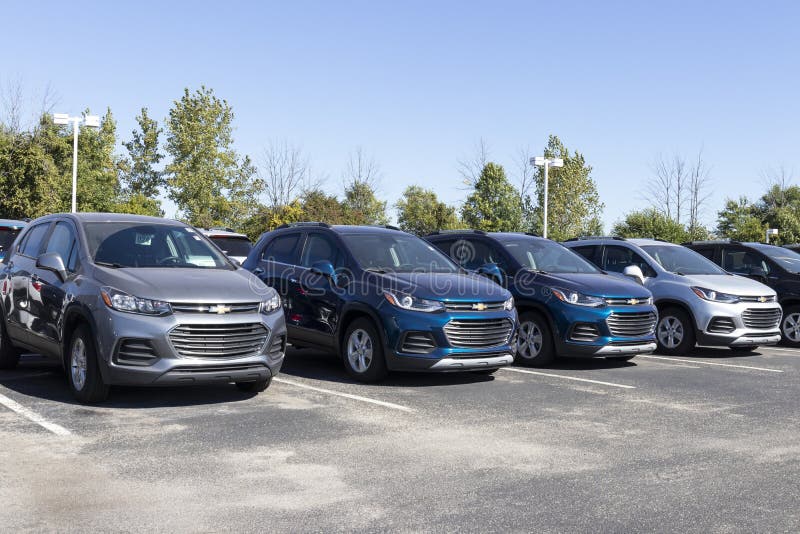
(236, 246)
(697, 301)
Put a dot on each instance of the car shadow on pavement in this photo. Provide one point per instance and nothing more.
(40, 378)
(566, 363)
(317, 365)
(720, 353)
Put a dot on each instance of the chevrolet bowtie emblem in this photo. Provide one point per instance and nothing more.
(479, 306)
(633, 302)
(219, 309)
(762, 299)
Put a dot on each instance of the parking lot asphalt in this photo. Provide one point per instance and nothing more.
(704, 443)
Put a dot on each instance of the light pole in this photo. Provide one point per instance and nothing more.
(771, 231)
(90, 121)
(541, 161)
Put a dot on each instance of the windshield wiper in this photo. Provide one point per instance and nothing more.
(377, 270)
(113, 265)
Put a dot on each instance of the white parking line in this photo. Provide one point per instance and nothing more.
(795, 352)
(710, 363)
(14, 406)
(526, 371)
(346, 395)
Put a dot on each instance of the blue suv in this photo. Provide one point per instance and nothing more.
(384, 300)
(566, 305)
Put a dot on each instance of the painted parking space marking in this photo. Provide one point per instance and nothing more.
(565, 377)
(346, 395)
(791, 352)
(29, 414)
(750, 367)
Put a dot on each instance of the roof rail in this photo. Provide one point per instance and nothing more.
(461, 231)
(712, 242)
(392, 227)
(587, 237)
(222, 228)
(299, 224)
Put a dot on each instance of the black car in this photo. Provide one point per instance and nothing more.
(777, 267)
(384, 300)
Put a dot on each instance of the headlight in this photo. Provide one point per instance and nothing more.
(509, 304)
(715, 296)
(410, 302)
(117, 300)
(578, 299)
(271, 304)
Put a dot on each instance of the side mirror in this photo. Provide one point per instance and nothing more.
(324, 268)
(52, 261)
(491, 271)
(635, 272)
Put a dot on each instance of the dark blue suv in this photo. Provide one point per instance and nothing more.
(566, 305)
(384, 300)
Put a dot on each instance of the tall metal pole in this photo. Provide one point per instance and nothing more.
(75, 165)
(544, 231)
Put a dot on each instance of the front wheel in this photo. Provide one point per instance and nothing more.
(674, 332)
(362, 352)
(534, 342)
(790, 326)
(83, 368)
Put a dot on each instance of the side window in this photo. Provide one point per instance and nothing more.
(589, 252)
(32, 243)
(706, 252)
(471, 254)
(741, 261)
(281, 248)
(62, 240)
(617, 258)
(444, 246)
(318, 248)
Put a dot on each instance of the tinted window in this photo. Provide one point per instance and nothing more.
(62, 241)
(397, 252)
(681, 260)
(280, 249)
(133, 244)
(471, 254)
(788, 259)
(7, 237)
(319, 248)
(544, 255)
(233, 246)
(741, 261)
(32, 243)
(617, 258)
(589, 252)
(705, 252)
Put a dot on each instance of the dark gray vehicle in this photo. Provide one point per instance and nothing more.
(133, 300)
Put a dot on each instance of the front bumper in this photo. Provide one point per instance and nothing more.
(171, 368)
(741, 336)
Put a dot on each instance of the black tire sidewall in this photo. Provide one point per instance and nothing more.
(94, 390)
(377, 366)
(547, 353)
(688, 341)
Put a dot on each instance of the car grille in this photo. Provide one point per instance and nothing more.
(628, 301)
(478, 333)
(761, 318)
(135, 352)
(631, 324)
(216, 308)
(761, 298)
(219, 340)
(473, 306)
(721, 325)
(584, 332)
(418, 343)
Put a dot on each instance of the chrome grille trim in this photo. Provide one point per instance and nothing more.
(762, 318)
(418, 343)
(750, 298)
(634, 324)
(584, 332)
(628, 301)
(200, 307)
(133, 351)
(478, 333)
(219, 340)
(721, 325)
(468, 306)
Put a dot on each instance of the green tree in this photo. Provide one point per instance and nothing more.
(420, 212)
(98, 166)
(650, 223)
(206, 178)
(320, 207)
(143, 177)
(574, 206)
(739, 220)
(361, 205)
(494, 203)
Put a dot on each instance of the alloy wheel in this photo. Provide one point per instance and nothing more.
(359, 350)
(670, 332)
(78, 364)
(791, 327)
(529, 342)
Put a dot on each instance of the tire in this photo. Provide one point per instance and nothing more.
(485, 371)
(674, 332)
(256, 386)
(535, 341)
(83, 369)
(9, 354)
(362, 352)
(621, 358)
(790, 326)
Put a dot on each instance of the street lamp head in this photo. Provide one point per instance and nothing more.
(538, 161)
(91, 121)
(556, 162)
(60, 118)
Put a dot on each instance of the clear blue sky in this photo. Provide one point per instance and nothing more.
(416, 84)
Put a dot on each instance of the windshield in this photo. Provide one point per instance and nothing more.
(397, 253)
(133, 244)
(233, 246)
(542, 255)
(788, 259)
(681, 260)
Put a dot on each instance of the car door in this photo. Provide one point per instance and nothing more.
(21, 266)
(276, 267)
(316, 303)
(51, 289)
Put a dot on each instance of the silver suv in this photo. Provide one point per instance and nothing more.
(126, 299)
(698, 302)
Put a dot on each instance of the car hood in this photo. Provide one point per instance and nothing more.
(445, 287)
(186, 285)
(725, 283)
(595, 284)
